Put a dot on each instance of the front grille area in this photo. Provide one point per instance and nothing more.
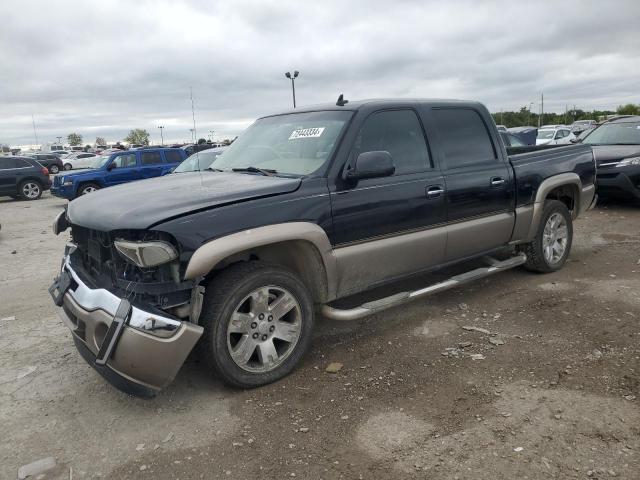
(103, 267)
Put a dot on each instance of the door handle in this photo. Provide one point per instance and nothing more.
(434, 191)
(496, 181)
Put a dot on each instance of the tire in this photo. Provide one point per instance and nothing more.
(30, 190)
(87, 188)
(54, 169)
(542, 255)
(233, 293)
(67, 166)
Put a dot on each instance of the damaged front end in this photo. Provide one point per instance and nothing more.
(131, 315)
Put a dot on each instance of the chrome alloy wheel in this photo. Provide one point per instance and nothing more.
(264, 329)
(31, 190)
(554, 238)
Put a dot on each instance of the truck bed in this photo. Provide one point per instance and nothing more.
(539, 163)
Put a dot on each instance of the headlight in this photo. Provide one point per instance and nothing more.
(60, 224)
(627, 162)
(146, 254)
(65, 182)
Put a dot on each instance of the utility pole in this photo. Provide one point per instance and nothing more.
(541, 119)
(161, 127)
(293, 84)
(59, 139)
(211, 132)
(35, 134)
(501, 116)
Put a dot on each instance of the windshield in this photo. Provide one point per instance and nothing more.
(545, 134)
(198, 161)
(100, 161)
(625, 133)
(294, 144)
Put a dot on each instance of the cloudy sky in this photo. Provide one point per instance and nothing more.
(100, 68)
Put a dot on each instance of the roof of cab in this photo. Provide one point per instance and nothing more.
(378, 103)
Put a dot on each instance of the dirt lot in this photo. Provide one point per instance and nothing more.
(559, 399)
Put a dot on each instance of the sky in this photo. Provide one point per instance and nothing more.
(101, 68)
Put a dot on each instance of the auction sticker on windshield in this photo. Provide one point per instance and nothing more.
(307, 133)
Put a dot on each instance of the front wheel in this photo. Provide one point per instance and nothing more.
(88, 188)
(549, 250)
(257, 321)
(54, 169)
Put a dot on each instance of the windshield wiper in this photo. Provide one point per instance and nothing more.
(213, 169)
(267, 172)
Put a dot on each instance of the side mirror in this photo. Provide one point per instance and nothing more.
(111, 166)
(575, 140)
(372, 165)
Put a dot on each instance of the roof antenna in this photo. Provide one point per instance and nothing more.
(341, 101)
(195, 134)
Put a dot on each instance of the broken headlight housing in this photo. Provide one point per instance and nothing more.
(627, 162)
(146, 254)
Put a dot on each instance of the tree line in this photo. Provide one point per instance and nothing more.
(525, 117)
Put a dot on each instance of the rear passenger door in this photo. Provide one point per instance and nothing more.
(152, 163)
(479, 183)
(385, 228)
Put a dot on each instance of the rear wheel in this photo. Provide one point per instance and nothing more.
(67, 166)
(257, 321)
(550, 248)
(54, 169)
(88, 188)
(30, 190)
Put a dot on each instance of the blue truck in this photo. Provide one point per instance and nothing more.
(117, 168)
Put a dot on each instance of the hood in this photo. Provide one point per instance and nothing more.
(614, 153)
(141, 204)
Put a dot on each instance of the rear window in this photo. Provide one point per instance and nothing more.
(464, 137)
(172, 156)
(151, 158)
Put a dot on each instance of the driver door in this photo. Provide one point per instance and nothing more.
(388, 227)
(125, 168)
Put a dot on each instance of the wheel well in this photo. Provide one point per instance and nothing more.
(567, 194)
(299, 256)
(30, 179)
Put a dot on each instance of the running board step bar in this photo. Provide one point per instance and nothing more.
(376, 306)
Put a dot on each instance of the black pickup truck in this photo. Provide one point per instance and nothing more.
(305, 208)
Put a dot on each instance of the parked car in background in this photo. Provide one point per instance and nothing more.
(50, 161)
(78, 160)
(616, 148)
(527, 135)
(200, 160)
(580, 126)
(511, 140)
(135, 146)
(23, 177)
(549, 135)
(501, 128)
(52, 147)
(116, 168)
(191, 149)
(311, 206)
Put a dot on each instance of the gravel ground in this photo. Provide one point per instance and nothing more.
(553, 391)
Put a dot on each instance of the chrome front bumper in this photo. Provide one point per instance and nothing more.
(136, 350)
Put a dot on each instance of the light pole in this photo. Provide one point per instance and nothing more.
(529, 116)
(293, 84)
(161, 127)
(59, 139)
(211, 135)
(193, 134)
